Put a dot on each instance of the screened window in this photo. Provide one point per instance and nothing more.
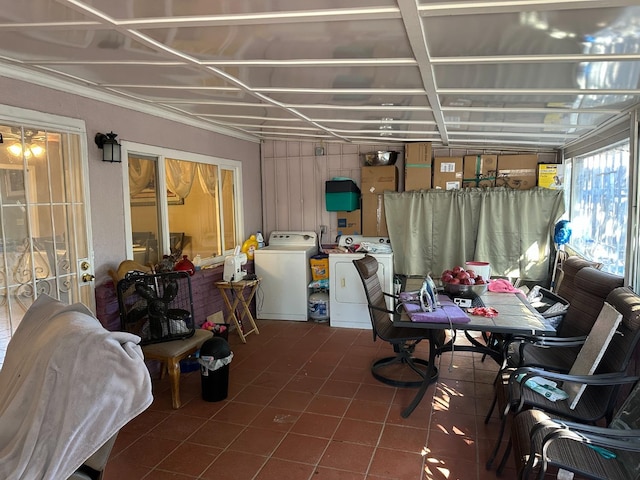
(182, 204)
(599, 206)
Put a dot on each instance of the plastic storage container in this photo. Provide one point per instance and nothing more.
(341, 195)
(319, 266)
(215, 357)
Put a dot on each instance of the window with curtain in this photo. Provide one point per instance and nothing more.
(599, 206)
(182, 205)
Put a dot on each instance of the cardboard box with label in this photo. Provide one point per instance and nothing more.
(376, 180)
(447, 173)
(551, 175)
(374, 222)
(417, 166)
(480, 171)
(519, 172)
(350, 223)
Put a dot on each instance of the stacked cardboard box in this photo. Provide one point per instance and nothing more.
(417, 166)
(480, 170)
(350, 223)
(374, 182)
(447, 173)
(517, 171)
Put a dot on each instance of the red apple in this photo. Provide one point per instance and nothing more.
(456, 270)
(446, 278)
(454, 281)
(463, 275)
(471, 273)
(480, 281)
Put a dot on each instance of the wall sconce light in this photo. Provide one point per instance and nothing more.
(110, 147)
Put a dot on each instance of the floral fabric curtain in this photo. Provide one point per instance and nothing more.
(432, 230)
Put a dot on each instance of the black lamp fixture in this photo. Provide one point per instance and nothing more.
(110, 147)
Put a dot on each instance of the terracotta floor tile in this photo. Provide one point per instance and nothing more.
(291, 400)
(303, 383)
(301, 448)
(396, 464)
(278, 469)
(273, 418)
(347, 456)
(216, 434)
(367, 410)
(358, 431)
(148, 451)
(444, 446)
(239, 413)
(398, 437)
(190, 459)
(326, 405)
(303, 405)
(321, 426)
(233, 465)
(324, 473)
(259, 441)
(339, 388)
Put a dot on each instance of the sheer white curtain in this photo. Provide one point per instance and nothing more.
(209, 178)
(180, 175)
(141, 172)
(432, 230)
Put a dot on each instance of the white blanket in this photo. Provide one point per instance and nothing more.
(66, 387)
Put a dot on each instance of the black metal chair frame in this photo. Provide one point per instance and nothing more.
(403, 340)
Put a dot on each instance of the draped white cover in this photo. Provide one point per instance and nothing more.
(432, 230)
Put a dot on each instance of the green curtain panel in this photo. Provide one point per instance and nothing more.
(432, 230)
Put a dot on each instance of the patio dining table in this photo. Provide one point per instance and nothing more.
(514, 316)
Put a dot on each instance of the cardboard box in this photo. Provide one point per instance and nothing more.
(350, 223)
(480, 171)
(378, 179)
(418, 153)
(447, 173)
(374, 222)
(519, 172)
(341, 195)
(417, 163)
(551, 175)
(417, 177)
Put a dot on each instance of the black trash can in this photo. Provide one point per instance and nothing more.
(215, 356)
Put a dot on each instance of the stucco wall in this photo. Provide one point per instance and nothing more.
(105, 179)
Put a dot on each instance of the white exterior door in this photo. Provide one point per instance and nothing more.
(45, 230)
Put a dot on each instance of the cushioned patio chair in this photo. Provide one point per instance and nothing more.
(599, 398)
(403, 340)
(541, 441)
(585, 288)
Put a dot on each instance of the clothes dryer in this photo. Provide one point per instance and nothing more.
(347, 300)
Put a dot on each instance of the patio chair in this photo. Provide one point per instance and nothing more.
(585, 288)
(403, 340)
(541, 441)
(602, 389)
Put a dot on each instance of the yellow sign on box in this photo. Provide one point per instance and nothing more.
(550, 175)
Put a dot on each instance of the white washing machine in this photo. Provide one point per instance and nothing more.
(347, 300)
(285, 271)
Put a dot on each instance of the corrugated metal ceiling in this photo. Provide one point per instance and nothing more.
(519, 73)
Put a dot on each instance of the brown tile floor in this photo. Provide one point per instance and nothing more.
(302, 405)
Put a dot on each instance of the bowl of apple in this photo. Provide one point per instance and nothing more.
(457, 281)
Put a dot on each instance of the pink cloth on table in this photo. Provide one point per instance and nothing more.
(449, 311)
(501, 285)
